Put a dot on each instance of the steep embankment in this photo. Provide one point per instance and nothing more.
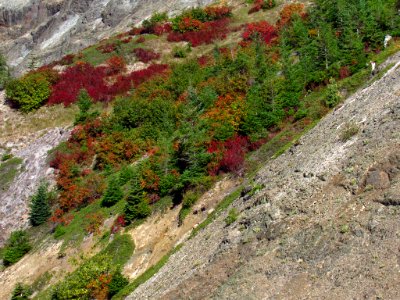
(38, 32)
(326, 224)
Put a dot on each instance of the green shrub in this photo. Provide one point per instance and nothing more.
(136, 207)
(118, 282)
(84, 103)
(29, 92)
(232, 216)
(59, 231)
(21, 292)
(332, 96)
(17, 246)
(113, 193)
(348, 132)
(40, 208)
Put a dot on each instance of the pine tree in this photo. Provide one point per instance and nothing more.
(113, 193)
(136, 206)
(40, 208)
(21, 292)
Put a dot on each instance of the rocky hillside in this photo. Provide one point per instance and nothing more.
(326, 224)
(36, 32)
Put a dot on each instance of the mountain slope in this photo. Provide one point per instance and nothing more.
(325, 225)
(38, 32)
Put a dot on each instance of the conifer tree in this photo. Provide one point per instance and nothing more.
(113, 193)
(136, 206)
(40, 208)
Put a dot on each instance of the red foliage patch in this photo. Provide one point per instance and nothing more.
(119, 223)
(229, 155)
(80, 76)
(263, 29)
(218, 12)
(206, 34)
(344, 72)
(107, 48)
(145, 56)
(116, 64)
(261, 4)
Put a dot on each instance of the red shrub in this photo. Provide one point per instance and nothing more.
(262, 4)
(344, 72)
(145, 56)
(140, 40)
(116, 64)
(229, 154)
(67, 60)
(266, 31)
(119, 223)
(189, 24)
(218, 12)
(107, 48)
(126, 40)
(75, 78)
(207, 34)
(160, 29)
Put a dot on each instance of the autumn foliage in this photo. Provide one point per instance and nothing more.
(262, 29)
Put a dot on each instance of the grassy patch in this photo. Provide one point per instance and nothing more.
(348, 132)
(232, 216)
(145, 276)
(9, 169)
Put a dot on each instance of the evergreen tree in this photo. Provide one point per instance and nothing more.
(40, 208)
(21, 292)
(84, 103)
(136, 206)
(4, 72)
(113, 193)
(16, 247)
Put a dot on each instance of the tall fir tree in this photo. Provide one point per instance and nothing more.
(136, 206)
(113, 193)
(40, 208)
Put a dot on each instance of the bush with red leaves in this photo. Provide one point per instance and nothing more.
(145, 56)
(218, 12)
(116, 64)
(119, 223)
(75, 78)
(67, 60)
(229, 155)
(262, 4)
(125, 83)
(107, 48)
(207, 34)
(262, 29)
(344, 72)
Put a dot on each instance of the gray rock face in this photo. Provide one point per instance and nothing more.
(14, 202)
(45, 30)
